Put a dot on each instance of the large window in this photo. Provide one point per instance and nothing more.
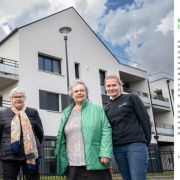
(50, 101)
(49, 64)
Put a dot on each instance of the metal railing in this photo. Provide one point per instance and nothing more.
(5, 103)
(165, 129)
(166, 126)
(161, 98)
(139, 93)
(9, 67)
(158, 162)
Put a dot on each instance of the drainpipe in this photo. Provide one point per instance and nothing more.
(168, 81)
(156, 134)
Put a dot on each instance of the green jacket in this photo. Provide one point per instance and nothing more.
(97, 137)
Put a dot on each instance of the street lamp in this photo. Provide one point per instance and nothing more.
(65, 31)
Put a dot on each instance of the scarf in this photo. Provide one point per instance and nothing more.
(21, 121)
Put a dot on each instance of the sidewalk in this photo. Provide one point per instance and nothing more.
(151, 178)
(160, 178)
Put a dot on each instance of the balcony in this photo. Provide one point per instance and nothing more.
(143, 96)
(4, 103)
(160, 103)
(8, 72)
(165, 132)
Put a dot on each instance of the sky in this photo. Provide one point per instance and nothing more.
(138, 32)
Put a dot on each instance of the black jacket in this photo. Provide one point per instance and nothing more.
(129, 120)
(6, 115)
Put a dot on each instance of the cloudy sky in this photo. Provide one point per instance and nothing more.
(140, 31)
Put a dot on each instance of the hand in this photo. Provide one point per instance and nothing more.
(105, 160)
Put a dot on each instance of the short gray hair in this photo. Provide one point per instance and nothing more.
(77, 83)
(17, 90)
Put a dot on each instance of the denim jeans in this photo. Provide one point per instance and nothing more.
(132, 160)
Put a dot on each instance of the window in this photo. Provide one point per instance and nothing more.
(48, 100)
(76, 66)
(102, 77)
(159, 93)
(64, 101)
(172, 91)
(1, 101)
(105, 99)
(49, 64)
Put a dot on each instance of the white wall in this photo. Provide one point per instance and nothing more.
(163, 117)
(10, 48)
(83, 47)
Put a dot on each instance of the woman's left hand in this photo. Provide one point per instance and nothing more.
(105, 160)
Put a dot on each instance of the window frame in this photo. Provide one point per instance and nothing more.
(77, 73)
(43, 100)
(52, 59)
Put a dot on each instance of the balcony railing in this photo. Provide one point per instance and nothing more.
(165, 129)
(5, 103)
(161, 98)
(9, 67)
(139, 93)
(126, 90)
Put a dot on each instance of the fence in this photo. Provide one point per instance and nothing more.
(158, 162)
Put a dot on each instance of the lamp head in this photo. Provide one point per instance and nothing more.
(65, 30)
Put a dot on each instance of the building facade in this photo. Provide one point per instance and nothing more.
(33, 57)
(162, 97)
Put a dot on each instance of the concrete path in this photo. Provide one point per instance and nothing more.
(151, 178)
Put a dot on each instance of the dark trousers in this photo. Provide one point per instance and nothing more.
(11, 170)
(80, 173)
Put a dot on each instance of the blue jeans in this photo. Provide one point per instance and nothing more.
(132, 160)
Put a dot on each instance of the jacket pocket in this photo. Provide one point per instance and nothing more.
(95, 143)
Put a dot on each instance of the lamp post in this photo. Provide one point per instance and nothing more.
(65, 31)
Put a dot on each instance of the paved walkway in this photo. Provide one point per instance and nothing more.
(151, 178)
(161, 178)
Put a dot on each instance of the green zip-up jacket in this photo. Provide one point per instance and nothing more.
(97, 137)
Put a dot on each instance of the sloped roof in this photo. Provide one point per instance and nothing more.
(16, 29)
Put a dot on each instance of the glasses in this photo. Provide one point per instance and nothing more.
(79, 91)
(18, 97)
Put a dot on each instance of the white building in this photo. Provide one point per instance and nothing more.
(162, 95)
(33, 57)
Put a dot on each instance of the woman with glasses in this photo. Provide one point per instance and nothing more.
(21, 134)
(84, 141)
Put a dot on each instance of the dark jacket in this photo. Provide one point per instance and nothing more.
(6, 116)
(129, 120)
